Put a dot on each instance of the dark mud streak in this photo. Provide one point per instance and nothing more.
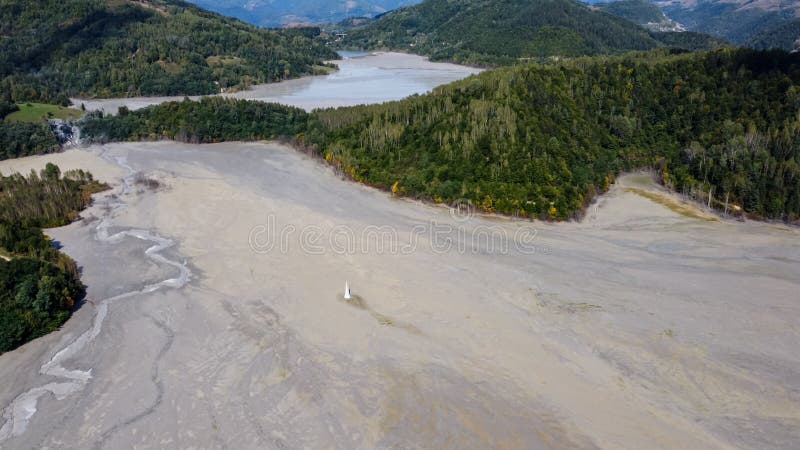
(154, 377)
(358, 302)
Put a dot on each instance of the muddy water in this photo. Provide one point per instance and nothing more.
(361, 79)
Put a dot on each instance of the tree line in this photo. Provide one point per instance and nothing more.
(39, 286)
(18, 139)
(542, 140)
(210, 119)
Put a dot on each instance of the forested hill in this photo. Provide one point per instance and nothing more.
(543, 140)
(637, 11)
(211, 119)
(39, 285)
(668, 32)
(785, 36)
(640, 12)
(501, 31)
(51, 49)
(733, 20)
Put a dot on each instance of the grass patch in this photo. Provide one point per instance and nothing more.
(170, 67)
(95, 187)
(222, 60)
(383, 320)
(675, 206)
(149, 183)
(323, 70)
(36, 112)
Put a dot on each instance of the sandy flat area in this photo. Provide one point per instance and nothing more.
(363, 79)
(216, 320)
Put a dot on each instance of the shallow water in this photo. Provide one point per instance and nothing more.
(361, 79)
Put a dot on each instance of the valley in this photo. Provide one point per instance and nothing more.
(461, 224)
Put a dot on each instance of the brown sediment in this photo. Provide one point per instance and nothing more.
(683, 208)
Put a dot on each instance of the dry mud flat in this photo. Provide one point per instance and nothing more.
(636, 328)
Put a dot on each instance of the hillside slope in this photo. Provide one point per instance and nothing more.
(501, 31)
(52, 49)
(689, 40)
(541, 140)
(785, 36)
(663, 29)
(640, 12)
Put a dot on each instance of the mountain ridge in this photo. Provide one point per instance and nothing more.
(292, 12)
(494, 32)
(53, 50)
(785, 36)
(733, 20)
(641, 12)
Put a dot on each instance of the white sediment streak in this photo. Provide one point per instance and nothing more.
(23, 407)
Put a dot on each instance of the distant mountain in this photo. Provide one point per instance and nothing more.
(689, 40)
(785, 36)
(641, 12)
(502, 31)
(734, 20)
(663, 29)
(274, 13)
(51, 49)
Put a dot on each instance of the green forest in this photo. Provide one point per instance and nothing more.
(542, 140)
(502, 32)
(734, 21)
(688, 40)
(785, 36)
(51, 50)
(637, 11)
(18, 139)
(39, 286)
(211, 119)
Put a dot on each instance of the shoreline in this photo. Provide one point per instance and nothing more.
(323, 91)
(427, 57)
(673, 199)
(74, 100)
(67, 382)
